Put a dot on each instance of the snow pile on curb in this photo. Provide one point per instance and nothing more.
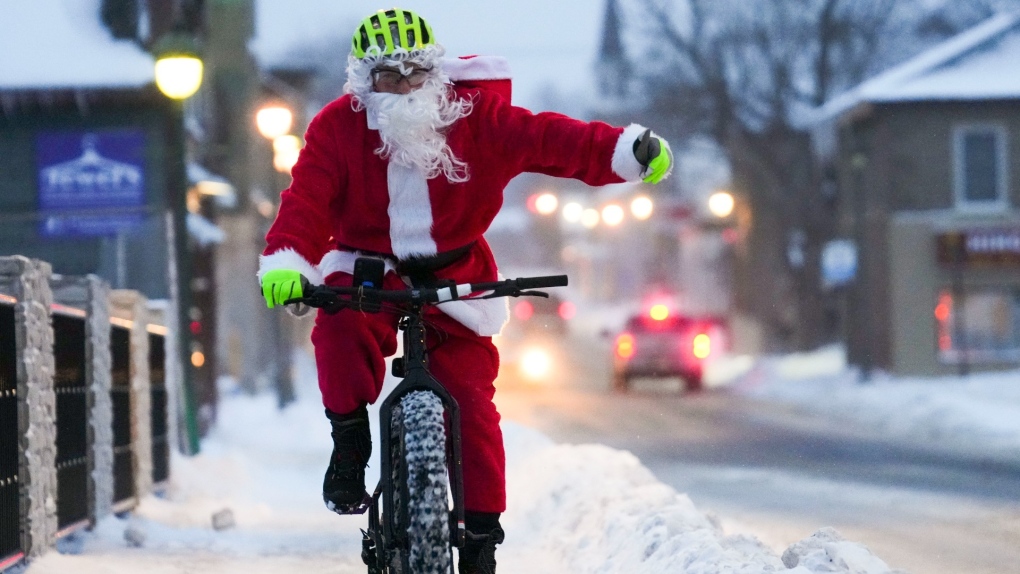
(949, 412)
(590, 508)
(572, 509)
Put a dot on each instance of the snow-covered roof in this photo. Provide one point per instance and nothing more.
(982, 63)
(61, 44)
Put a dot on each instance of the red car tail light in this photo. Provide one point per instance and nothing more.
(625, 346)
(523, 310)
(567, 310)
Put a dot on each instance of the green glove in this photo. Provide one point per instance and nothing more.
(280, 285)
(654, 154)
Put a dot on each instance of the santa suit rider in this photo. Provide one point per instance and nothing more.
(409, 166)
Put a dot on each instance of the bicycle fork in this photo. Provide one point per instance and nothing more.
(385, 530)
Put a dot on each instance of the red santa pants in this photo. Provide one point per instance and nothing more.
(350, 352)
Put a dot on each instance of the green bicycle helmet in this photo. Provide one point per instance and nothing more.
(390, 30)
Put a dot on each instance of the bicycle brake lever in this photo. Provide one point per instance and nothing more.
(532, 294)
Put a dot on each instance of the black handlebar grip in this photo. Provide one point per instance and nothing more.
(542, 282)
(306, 285)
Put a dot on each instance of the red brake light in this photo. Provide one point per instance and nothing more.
(523, 310)
(567, 310)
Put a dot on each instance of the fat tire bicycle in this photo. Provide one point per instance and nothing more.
(415, 530)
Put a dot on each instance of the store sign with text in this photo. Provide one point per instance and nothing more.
(90, 182)
(999, 247)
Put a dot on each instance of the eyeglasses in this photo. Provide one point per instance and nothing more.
(389, 79)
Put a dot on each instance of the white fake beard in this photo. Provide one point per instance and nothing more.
(411, 127)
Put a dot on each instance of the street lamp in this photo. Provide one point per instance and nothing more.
(612, 215)
(572, 212)
(178, 67)
(543, 203)
(274, 121)
(178, 74)
(641, 207)
(721, 204)
(590, 218)
(286, 150)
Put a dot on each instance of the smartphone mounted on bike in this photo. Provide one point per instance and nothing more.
(368, 273)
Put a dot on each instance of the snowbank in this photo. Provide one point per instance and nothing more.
(976, 415)
(584, 509)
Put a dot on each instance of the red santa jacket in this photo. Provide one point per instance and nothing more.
(344, 194)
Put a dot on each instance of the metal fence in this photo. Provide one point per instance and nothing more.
(10, 512)
(71, 389)
(84, 410)
(120, 392)
(160, 413)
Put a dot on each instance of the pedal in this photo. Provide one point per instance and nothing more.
(397, 368)
(345, 509)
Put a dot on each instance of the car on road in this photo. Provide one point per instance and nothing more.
(661, 343)
(542, 315)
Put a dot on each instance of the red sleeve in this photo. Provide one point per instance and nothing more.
(302, 227)
(557, 145)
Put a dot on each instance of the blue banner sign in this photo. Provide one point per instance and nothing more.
(91, 182)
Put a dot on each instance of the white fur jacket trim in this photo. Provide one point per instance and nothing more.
(486, 317)
(625, 164)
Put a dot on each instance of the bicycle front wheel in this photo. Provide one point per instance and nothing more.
(420, 482)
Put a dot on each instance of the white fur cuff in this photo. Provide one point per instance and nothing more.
(289, 259)
(625, 164)
(477, 68)
(343, 262)
(486, 317)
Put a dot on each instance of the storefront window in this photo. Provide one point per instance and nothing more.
(982, 326)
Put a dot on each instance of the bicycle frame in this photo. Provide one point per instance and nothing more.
(416, 377)
(379, 538)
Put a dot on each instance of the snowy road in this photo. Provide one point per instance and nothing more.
(779, 473)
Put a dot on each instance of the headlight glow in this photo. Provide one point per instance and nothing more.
(536, 364)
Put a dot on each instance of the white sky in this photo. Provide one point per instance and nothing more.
(61, 43)
(583, 508)
(546, 42)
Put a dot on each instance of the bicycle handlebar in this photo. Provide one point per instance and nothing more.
(327, 296)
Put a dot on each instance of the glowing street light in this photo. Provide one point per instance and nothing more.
(721, 204)
(546, 204)
(641, 207)
(590, 218)
(285, 152)
(572, 212)
(274, 121)
(178, 67)
(612, 214)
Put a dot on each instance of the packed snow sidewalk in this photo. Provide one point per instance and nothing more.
(976, 416)
(584, 508)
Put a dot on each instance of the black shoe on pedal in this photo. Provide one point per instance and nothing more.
(343, 488)
(478, 556)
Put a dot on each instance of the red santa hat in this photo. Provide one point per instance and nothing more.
(483, 72)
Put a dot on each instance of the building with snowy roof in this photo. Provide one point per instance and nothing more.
(924, 161)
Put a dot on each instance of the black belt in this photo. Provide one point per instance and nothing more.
(420, 269)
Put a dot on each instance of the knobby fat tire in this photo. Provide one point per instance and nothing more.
(419, 429)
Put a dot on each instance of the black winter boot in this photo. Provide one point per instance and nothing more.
(478, 556)
(343, 488)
